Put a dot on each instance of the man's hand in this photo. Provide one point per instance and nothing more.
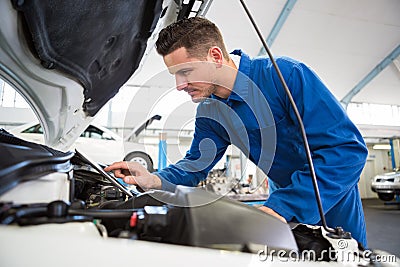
(272, 212)
(134, 173)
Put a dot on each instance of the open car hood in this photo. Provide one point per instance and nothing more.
(68, 58)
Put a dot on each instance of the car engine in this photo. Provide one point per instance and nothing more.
(65, 188)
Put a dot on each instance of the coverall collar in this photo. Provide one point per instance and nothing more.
(240, 87)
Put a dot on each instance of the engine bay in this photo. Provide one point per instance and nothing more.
(81, 192)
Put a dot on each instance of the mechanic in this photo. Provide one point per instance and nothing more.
(247, 106)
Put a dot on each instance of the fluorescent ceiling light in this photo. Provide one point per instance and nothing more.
(381, 146)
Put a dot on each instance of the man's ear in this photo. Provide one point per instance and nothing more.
(215, 54)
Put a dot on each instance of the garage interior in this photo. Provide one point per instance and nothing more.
(354, 46)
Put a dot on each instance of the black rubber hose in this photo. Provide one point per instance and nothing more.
(122, 213)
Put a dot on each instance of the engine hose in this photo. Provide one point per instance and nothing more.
(122, 213)
(24, 212)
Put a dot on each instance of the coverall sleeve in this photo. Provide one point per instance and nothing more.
(338, 150)
(206, 150)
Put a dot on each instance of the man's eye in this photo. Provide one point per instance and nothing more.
(185, 72)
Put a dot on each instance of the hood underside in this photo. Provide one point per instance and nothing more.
(97, 43)
(69, 58)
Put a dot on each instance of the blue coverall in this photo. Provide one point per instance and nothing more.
(258, 119)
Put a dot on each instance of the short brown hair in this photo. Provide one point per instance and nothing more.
(196, 34)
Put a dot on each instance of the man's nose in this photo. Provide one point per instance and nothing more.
(181, 83)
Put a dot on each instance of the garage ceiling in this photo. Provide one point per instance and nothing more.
(342, 40)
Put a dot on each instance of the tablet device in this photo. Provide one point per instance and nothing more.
(106, 175)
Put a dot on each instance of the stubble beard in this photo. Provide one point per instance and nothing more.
(206, 94)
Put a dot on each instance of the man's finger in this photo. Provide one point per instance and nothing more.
(127, 172)
(130, 180)
(119, 174)
(116, 165)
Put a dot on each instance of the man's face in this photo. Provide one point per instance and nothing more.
(192, 75)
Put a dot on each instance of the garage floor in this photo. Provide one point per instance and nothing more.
(383, 225)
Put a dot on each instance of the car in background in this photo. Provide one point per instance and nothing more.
(386, 185)
(101, 144)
